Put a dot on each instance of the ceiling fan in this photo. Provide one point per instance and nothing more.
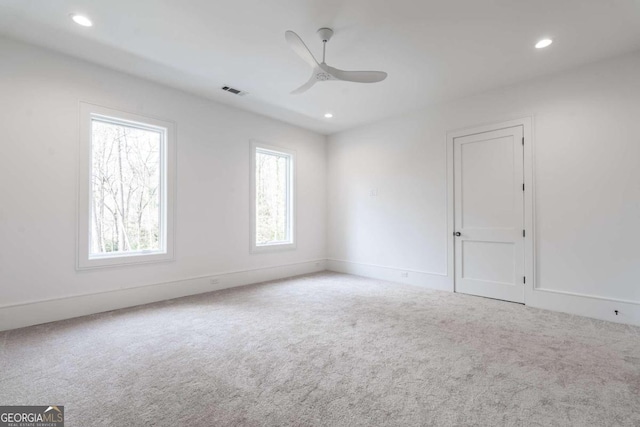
(323, 72)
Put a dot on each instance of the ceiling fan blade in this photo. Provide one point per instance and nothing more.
(300, 48)
(305, 87)
(357, 76)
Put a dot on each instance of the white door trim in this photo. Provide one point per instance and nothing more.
(529, 197)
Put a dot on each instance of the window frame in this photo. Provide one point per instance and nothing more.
(167, 194)
(291, 199)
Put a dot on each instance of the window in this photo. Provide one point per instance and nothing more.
(272, 198)
(126, 188)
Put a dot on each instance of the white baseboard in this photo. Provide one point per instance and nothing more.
(392, 274)
(581, 305)
(34, 313)
(585, 305)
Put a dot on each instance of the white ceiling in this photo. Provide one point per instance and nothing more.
(433, 50)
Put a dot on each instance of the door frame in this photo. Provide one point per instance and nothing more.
(529, 197)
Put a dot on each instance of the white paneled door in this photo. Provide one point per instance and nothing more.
(489, 214)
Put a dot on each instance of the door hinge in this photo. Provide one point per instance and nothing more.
(523, 140)
(524, 234)
(524, 279)
(522, 186)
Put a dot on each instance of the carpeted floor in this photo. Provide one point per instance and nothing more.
(330, 350)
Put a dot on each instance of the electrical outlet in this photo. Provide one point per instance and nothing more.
(214, 281)
(404, 274)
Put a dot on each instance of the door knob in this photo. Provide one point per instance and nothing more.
(457, 234)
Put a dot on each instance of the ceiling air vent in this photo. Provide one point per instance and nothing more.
(234, 91)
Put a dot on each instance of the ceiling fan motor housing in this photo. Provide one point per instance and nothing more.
(323, 77)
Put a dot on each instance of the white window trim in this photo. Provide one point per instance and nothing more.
(84, 261)
(276, 247)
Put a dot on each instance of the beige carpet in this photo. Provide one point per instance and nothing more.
(331, 350)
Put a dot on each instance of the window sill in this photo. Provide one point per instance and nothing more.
(276, 247)
(123, 260)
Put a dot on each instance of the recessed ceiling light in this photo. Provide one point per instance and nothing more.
(328, 115)
(81, 20)
(543, 43)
